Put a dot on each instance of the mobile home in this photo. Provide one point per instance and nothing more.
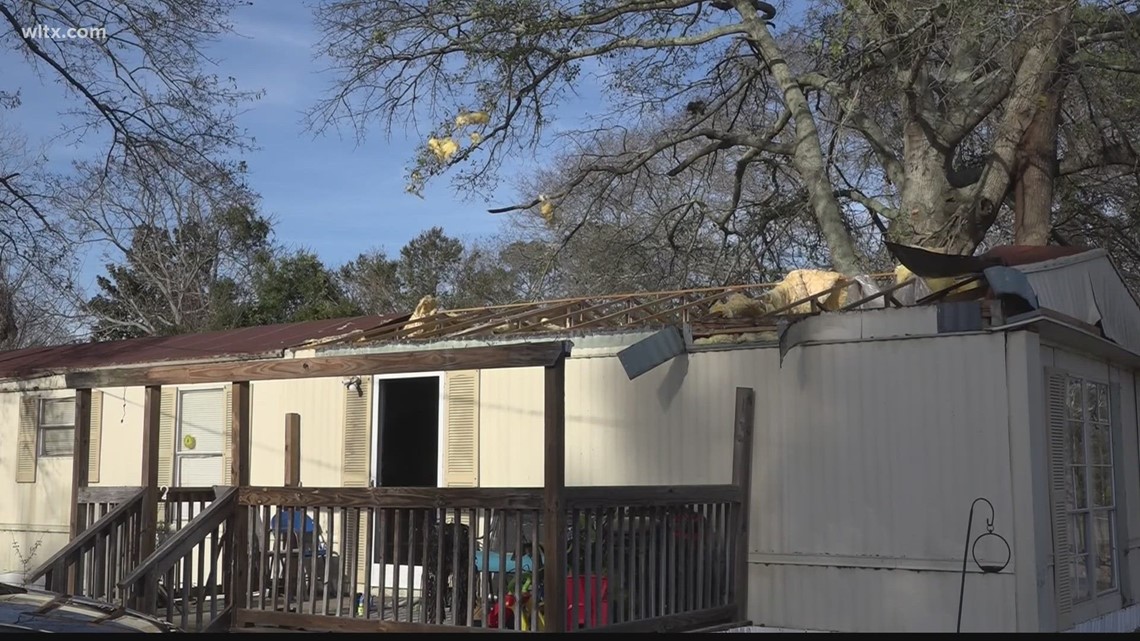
(875, 428)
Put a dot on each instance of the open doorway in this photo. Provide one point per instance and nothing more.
(407, 432)
(406, 453)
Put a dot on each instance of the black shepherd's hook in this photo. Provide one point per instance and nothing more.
(987, 568)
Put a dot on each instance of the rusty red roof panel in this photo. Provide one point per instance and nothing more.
(266, 340)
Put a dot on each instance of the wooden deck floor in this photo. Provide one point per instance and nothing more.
(401, 609)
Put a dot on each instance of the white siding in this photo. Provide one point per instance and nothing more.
(867, 457)
(121, 443)
(870, 600)
(33, 518)
(672, 425)
(320, 402)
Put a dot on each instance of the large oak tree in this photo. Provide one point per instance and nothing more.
(935, 117)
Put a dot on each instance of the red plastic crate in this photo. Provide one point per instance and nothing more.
(599, 592)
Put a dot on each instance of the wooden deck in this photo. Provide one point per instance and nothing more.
(637, 558)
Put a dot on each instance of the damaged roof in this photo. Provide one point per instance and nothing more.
(247, 342)
(728, 314)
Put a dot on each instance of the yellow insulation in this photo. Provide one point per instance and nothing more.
(799, 284)
(934, 284)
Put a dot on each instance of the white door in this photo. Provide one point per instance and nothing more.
(200, 437)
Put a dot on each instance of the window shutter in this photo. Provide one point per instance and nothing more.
(1062, 550)
(354, 471)
(357, 434)
(461, 449)
(166, 429)
(26, 440)
(227, 434)
(96, 436)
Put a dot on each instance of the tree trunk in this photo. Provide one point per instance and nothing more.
(807, 159)
(1033, 187)
(1036, 169)
(942, 217)
(926, 203)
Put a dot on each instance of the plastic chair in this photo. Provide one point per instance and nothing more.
(295, 541)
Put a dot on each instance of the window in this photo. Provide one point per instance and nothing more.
(1091, 503)
(201, 437)
(55, 426)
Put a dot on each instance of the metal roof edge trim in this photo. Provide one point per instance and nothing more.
(585, 344)
(1063, 261)
(885, 339)
(1071, 335)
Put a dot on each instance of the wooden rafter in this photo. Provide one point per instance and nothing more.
(472, 318)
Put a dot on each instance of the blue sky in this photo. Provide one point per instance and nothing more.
(330, 193)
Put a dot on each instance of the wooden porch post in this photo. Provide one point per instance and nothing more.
(80, 459)
(239, 437)
(239, 540)
(554, 544)
(742, 478)
(292, 450)
(152, 416)
(148, 532)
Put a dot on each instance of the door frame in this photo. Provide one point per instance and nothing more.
(373, 472)
(406, 582)
(176, 437)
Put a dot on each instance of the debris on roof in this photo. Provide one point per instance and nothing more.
(425, 308)
(930, 284)
(820, 289)
(738, 305)
(724, 315)
(769, 336)
(802, 291)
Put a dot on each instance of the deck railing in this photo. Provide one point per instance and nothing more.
(179, 505)
(388, 559)
(643, 559)
(184, 579)
(108, 546)
(424, 559)
(640, 558)
(92, 563)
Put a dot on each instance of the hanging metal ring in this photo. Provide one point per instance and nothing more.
(991, 569)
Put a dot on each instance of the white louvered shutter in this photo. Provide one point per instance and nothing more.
(26, 440)
(354, 470)
(461, 447)
(1055, 394)
(166, 429)
(95, 453)
(227, 434)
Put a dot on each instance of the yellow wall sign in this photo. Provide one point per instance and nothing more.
(188, 442)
